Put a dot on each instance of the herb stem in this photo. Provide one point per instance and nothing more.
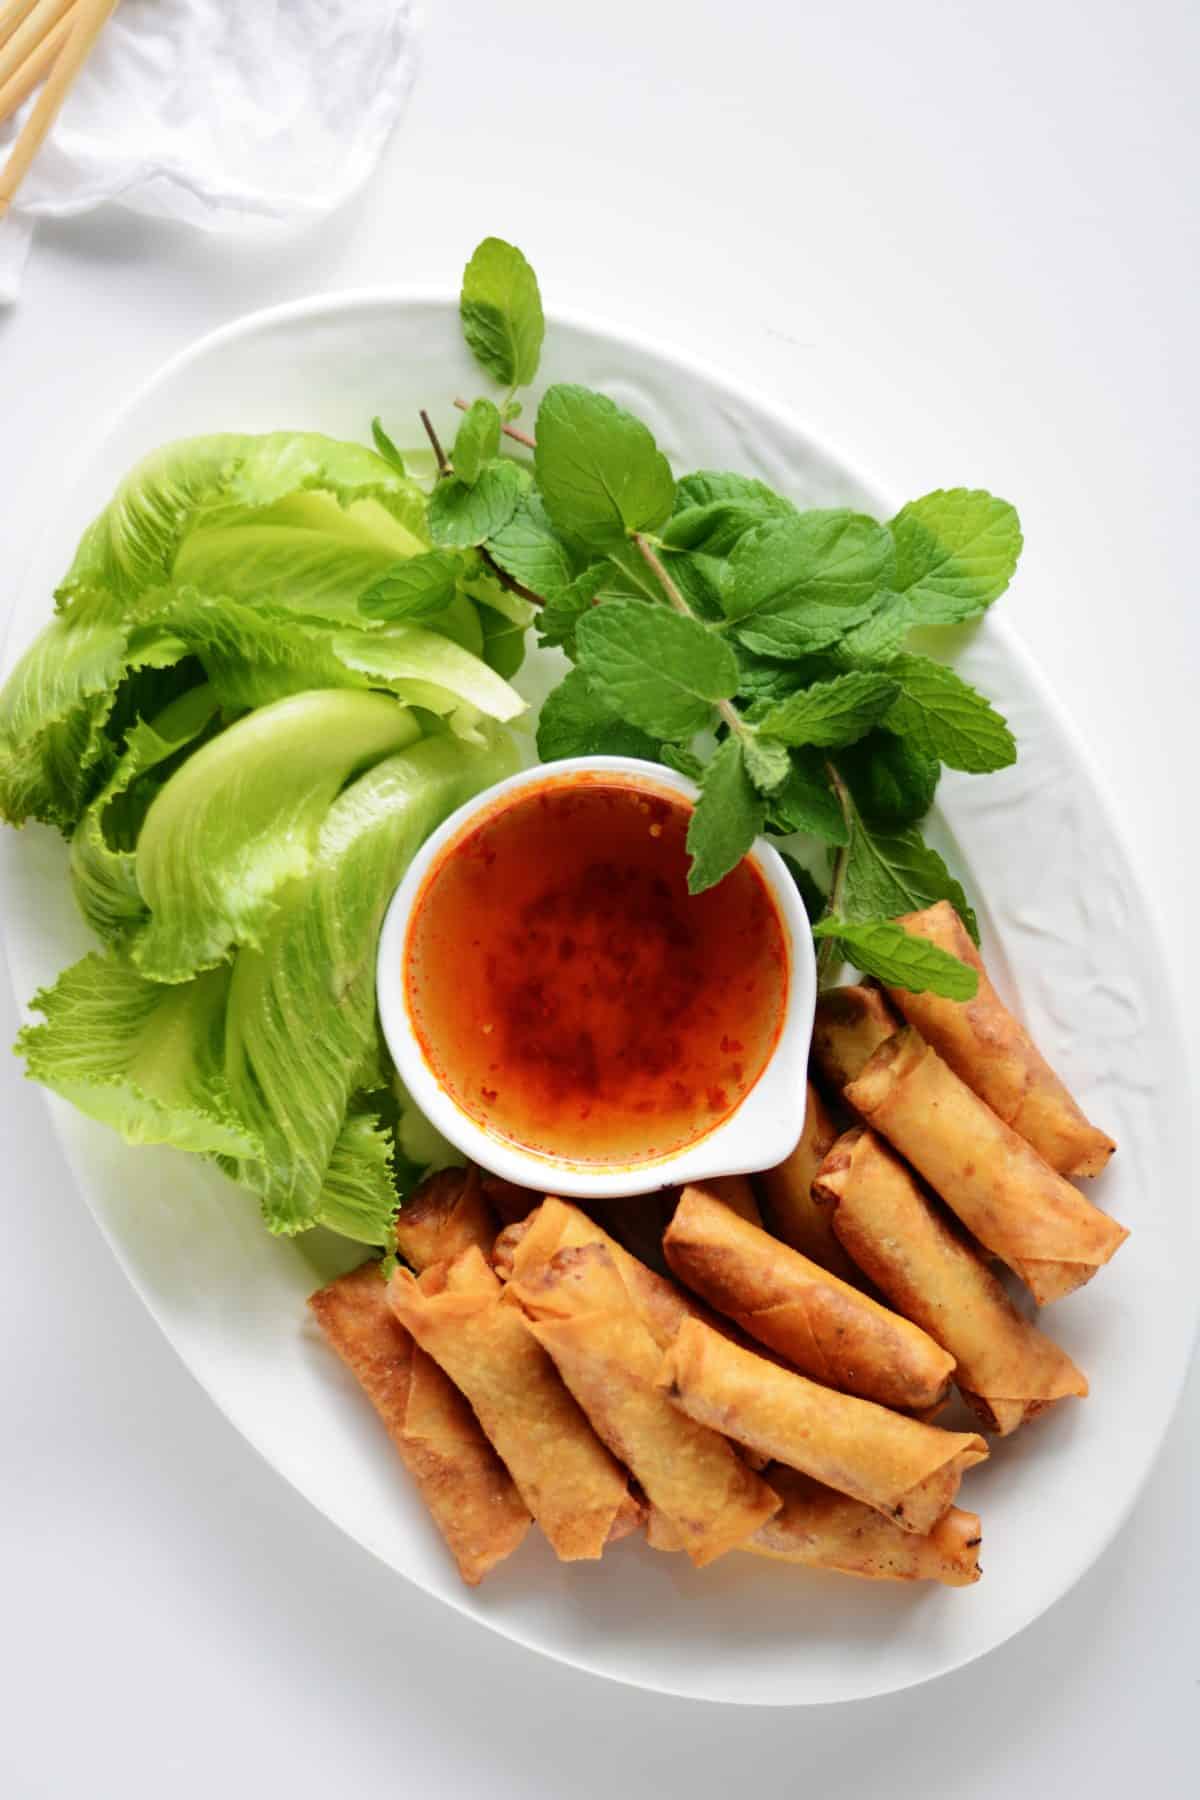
(510, 581)
(827, 953)
(512, 431)
(443, 461)
(728, 712)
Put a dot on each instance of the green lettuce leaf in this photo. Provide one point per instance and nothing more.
(301, 1022)
(241, 818)
(359, 1195)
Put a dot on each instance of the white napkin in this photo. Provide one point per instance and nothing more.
(222, 113)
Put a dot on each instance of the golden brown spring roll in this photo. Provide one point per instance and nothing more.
(462, 1481)
(1008, 1370)
(581, 1312)
(660, 1304)
(444, 1217)
(902, 1468)
(994, 1054)
(737, 1193)
(565, 1476)
(792, 1213)
(829, 1330)
(508, 1201)
(850, 1025)
(824, 1530)
(1017, 1206)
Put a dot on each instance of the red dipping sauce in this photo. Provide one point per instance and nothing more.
(570, 995)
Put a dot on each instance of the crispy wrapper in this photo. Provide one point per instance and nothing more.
(444, 1217)
(791, 1212)
(565, 1476)
(737, 1193)
(824, 1530)
(1008, 1370)
(469, 1492)
(994, 1054)
(1017, 1206)
(581, 1313)
(906, 1470)
(556, 1225)
(850, 1025)
(509, 1202)
(828, 1329)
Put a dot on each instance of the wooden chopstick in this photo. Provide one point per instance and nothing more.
(87, 22)
(17, 89)
(42, 17)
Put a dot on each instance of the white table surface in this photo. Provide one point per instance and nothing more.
(959, 240)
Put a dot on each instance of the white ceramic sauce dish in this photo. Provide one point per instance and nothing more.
(759, 1132)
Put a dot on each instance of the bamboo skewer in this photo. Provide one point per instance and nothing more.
(88, 21)
(41, 18)
(17, 89)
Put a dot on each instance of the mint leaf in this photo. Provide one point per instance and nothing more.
(795, 585)
(767, 762)
(658, 669)
(575, 722)
(530, 550)
(945, 717)
(477, 441)
(882, 949)
(385, 446)
(503, 643)
(810, 892)
(560, 616)
(462, 516)
(806, 802)
(893, 783)
(501, 312)
(414, 588)
(831, 712)
(715, 527)
(956, 552)
(683, 761)
(707, 486)
(879, 639)
(889, 873)
(727, 819)
(698, 577)
(599, 469)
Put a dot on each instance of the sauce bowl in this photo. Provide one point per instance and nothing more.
(760, 1131)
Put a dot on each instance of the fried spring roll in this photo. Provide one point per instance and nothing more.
(1008, 1371)
(824, 1530)
(906, 1470)
(508, 1201)
(850, 1025)
(466, 1487)
(557, 1225)
(565, 1476)
(1017, 1206)
(792, 1213)
(994, 1054)
(828, 1329)
(737, 1193)
(581, 1313)
(444, 1217)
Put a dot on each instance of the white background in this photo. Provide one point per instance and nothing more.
(958, 240)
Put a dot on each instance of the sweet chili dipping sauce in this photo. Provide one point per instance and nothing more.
(568, 992)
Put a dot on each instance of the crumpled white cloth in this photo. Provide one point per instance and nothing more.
(221, 113)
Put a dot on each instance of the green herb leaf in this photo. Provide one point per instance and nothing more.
(807, 803)
(416, 587)
(599, 469)
(576, 722)
(477, 441)
(530, 550)
(501, 310)
(385, 446)
(715, 527)
(956, 552)
(794, 586)
(767, 762)
(893, 783)
(945, 717)
(810, 892)
(727, 819)
(707, 487)
(889, 873)
(683, 761)
(461, 516)
(878, 640)
(560, 616)
(657, 669)
(503, 643)
(831, 712)
(885, 950)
